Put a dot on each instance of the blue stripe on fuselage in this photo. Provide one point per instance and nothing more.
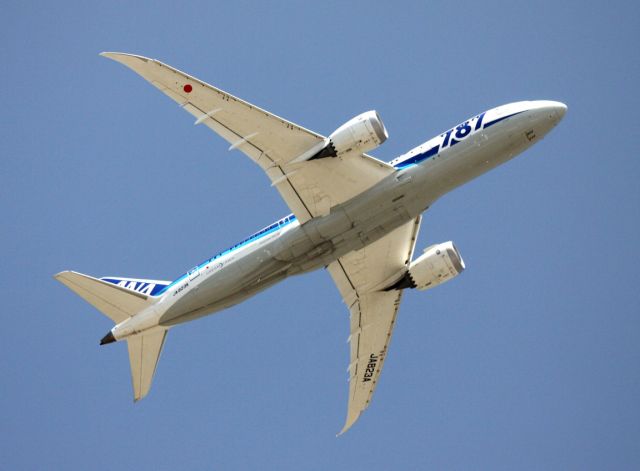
(496, 121)
(252, 238)
(416, 159)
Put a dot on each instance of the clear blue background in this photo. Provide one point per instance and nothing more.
(529, 360)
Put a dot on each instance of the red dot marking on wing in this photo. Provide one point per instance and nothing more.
(187, 88)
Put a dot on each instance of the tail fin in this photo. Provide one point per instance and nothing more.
(120, 299)
(114, 301)
(144, 353)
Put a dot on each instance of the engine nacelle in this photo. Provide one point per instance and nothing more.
(360, 134)
(438, 263)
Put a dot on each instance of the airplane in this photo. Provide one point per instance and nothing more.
(352, 214)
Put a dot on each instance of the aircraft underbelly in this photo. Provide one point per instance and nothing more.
(230, 285)
(300, 250)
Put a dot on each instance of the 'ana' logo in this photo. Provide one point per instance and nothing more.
(139, 286)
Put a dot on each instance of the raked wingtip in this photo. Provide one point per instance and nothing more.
(348, 424)
(125, 58)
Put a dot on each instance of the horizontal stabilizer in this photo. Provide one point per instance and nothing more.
(115, 302)
(144, 353)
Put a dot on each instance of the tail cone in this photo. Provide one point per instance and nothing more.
(109, 338)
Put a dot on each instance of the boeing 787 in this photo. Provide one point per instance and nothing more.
(352, 214)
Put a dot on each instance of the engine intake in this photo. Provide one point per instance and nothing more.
(438, 263)
(360, 134)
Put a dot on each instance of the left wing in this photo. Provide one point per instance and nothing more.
(310, 188)
(361, 277)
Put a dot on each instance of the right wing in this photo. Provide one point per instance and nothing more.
(362, 277)
(310, 188)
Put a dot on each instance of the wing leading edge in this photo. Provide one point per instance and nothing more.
(361, 277)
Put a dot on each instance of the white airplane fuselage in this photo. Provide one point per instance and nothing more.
(288, 248)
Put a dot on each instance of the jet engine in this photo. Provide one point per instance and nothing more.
(360, 134)
(438, 263)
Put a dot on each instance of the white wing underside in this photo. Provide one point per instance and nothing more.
(310, 188)
(361, 277)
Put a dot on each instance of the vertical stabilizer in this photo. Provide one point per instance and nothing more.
(144, 353)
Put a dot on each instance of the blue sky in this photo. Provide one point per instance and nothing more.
(528, 360)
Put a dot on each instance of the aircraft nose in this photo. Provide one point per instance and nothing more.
(554, 110)
(559, 109)
(549, 111)
(543, 116)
